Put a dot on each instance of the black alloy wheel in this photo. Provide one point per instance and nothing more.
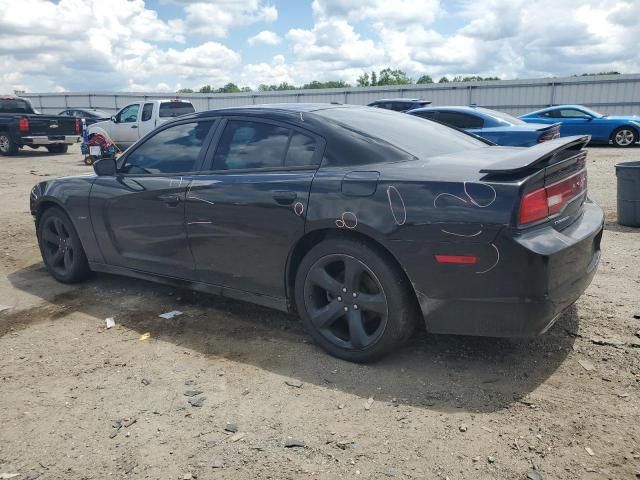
(353, 300)
(60, 246)
(346, 302)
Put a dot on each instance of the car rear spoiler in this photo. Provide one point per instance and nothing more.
(553, 126)
(528, 158)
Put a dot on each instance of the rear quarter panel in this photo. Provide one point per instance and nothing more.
(415, 219)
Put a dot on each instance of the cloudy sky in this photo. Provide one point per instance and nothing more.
(153, 45)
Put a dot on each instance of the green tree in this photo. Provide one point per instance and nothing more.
(206, 89)
(443, 80)
(328, 84)
(363, 80)
(374, 79)
(425, 79)
(228, 88)
(246, 89)
(185, 90)
(390, 76)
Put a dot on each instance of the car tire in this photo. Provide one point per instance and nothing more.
(353, 300)
(60, 148)
(7, 145)
(624, 137)
(61, 248)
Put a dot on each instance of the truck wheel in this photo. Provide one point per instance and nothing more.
(59, 148)
(7, 145)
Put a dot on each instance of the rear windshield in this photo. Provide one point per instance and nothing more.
(419, 137)
(175, 109)
(14, 105)
(503, 117)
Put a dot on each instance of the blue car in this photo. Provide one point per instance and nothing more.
(497, 127)
(399, 104)
(622, 131)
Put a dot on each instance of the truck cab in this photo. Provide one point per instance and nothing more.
(137, 119)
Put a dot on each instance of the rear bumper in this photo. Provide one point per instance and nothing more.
(540, 274)
(50, 140)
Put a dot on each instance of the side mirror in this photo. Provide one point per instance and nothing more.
(114, 119)
(105, 167)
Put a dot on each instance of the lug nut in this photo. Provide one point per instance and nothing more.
(346, 309)
(344, 289)
(339, 299)
(355, 307)
(355, 294)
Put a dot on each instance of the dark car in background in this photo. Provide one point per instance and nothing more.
(361, 220)
(620, 130)
(90, 115)
(399, 104)
(21, 125)
(497, 127)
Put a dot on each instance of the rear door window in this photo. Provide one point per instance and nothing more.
(301, 150)
(247, 144)
(147, 112)
(175, 109)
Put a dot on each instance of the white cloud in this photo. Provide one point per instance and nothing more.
(400, 12)
(216, 17)
(125, 45)
(267, 37)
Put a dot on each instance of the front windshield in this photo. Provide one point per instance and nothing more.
(502, 117)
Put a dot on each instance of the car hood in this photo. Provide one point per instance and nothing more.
(622, 118)
(101, 124)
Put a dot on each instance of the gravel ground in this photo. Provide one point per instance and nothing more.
(80, 401)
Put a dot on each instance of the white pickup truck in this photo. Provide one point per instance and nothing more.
(137, 119)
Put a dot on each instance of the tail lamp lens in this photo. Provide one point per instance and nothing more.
(549, 200)
(23, 125)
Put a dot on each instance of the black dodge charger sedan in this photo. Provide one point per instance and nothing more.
(361, 220)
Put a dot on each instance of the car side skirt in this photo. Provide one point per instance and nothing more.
(263, 300)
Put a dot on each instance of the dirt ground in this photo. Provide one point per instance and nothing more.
(562, 406)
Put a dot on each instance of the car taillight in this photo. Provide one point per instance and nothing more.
(547, 201)
(77, 125)
(23, 125)
(549, 136)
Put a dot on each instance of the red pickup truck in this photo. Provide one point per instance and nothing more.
(23, 126)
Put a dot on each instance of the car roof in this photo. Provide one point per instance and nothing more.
(450, 109)
(557, 107)
(401, 100)
(271, 108)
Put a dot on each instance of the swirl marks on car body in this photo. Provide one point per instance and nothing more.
(347, 220)
(399, 214)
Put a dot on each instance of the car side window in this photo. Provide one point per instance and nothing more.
(301, 150)
(400, 106)
(572, 113)
(460, 120)
(173, 150)
(147, 111)
(249, 144)
(129, 113)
